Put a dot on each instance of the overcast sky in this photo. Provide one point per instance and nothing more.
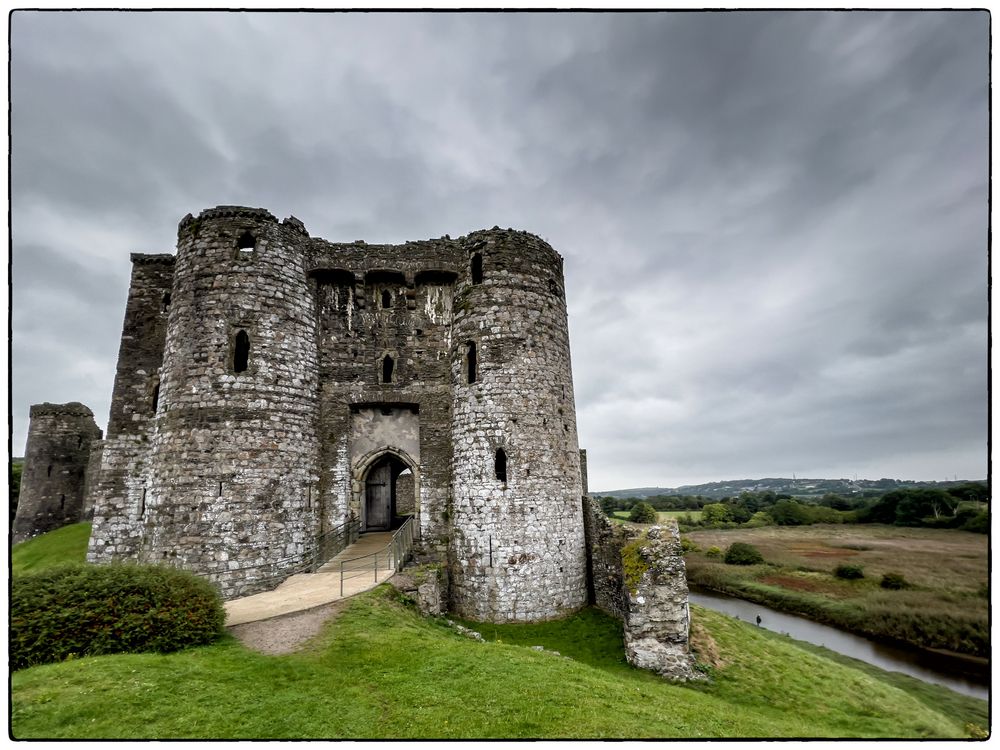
(774, 223)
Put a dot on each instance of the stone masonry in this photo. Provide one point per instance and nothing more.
(55, 468)
(272, 386)
(638, 576)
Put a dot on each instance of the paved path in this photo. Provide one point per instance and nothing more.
(308, 590)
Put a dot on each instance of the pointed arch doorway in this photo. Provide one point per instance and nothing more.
(381, 509)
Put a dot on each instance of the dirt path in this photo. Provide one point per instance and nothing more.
(286, 633)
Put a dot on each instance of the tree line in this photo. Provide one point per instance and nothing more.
(964, 506)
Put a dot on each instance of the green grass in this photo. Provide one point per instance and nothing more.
(65, 545)
(382, 671)
(945, 608)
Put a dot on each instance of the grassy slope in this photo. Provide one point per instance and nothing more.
(65, 545)
(946, 607)
(383, 671)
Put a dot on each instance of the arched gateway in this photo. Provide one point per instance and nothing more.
(389, 490)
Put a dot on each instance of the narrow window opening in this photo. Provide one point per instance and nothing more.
(386, 299)
(62, 502)
(49, 472)
(477, 269)
(79, 441)
(500, 465)
(166, 302)
(220, 489)
(156, 396)
(473, 363)
(387, 367)
(241, 352)
(142, 505)
(245, 245)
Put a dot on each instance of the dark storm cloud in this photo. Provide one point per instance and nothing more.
(774, 223)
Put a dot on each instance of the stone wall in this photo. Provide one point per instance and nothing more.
(605, 540)
(639, 577)
(115, 493)
(54, 476)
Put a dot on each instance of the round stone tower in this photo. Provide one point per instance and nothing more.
(230, 480)
(517, 549)
(55, 465)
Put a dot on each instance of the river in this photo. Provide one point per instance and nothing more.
(969, 677)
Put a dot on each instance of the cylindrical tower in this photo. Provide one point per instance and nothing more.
(230, 481)
(55, 466)
(517, 521)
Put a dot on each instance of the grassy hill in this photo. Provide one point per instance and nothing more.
(383, 671)
(65, 545)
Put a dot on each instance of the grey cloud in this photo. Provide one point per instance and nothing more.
(774, 223)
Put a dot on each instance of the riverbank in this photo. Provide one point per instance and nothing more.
(944, 605)
(955, 673)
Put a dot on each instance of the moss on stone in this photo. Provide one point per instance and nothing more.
(634, 565)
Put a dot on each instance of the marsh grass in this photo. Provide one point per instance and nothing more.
(941, 609)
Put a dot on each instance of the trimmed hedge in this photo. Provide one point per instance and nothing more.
(86, 610)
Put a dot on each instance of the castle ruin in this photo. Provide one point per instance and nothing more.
(273, 387)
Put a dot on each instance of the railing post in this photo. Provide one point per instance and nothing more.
(376, 567)
(341, 579)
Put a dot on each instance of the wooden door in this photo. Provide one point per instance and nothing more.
(378, 497)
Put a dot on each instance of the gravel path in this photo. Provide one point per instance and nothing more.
(286, 633)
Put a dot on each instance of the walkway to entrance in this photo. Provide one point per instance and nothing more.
(308, 590)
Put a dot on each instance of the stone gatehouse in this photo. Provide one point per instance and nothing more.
(272, 386)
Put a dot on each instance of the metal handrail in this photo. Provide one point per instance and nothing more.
(396, 552)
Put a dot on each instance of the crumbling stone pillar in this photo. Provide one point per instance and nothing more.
(658, 619)
(638, 576)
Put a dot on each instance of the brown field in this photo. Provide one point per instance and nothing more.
(932, 558)
(944, 606)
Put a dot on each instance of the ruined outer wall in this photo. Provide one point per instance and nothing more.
(55, 465)
(653, 603)
(114, 491)
(517, 545)
(605, 540)
(233, 461)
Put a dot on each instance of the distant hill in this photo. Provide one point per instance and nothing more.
(795, 487)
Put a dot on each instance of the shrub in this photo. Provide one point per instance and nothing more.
(893, 581)
(85, 610)
(979, 523)
(642, 513)
(741, 553)
(713, 552)
(759, 519)
(849, 571)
